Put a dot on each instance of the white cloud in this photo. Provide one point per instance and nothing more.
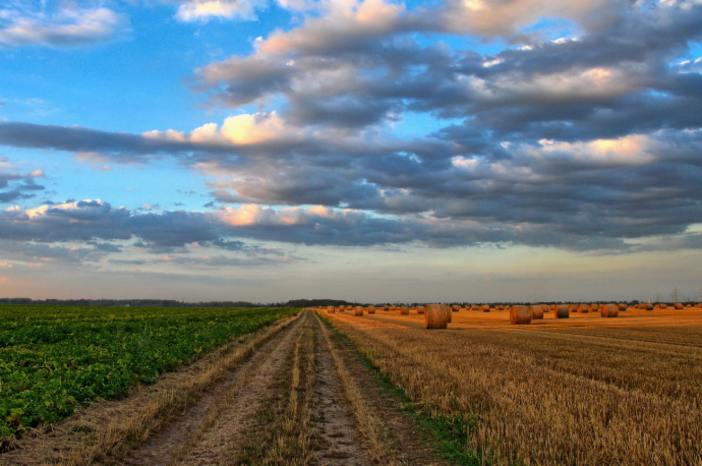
(204, 10)
(240, 130)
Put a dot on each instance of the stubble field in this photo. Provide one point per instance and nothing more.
(583, 390)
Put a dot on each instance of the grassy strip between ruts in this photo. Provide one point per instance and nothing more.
(449, 436)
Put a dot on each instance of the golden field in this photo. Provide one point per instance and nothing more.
(578, 391)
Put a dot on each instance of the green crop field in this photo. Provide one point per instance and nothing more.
(54, 359)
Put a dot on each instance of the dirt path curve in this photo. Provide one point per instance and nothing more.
(196, 436)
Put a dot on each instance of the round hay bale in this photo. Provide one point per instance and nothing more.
(537, 311)
(583, 308)
(649, 307)
(436, 316)
(358, 311)
(594, 307)
(330, 310)
(553, 308)
(475, 307)
(519, 315)
(404, 311)
(678, 306)
(663, 306)
(371, 309)
(623, 307)
(609, 310)
(420, 310)
(486, 308)
(499, 308)
(562, 311)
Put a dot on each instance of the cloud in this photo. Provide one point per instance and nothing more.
(492, 18)
(359, 65)
(204, 10)
(14, 186)
(68, 27)
(237, 130)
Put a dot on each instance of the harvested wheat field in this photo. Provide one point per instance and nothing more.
(582, 391)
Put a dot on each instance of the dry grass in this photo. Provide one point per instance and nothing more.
(581, 391)
(293, 430)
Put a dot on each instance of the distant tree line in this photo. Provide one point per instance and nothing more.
(171, 302)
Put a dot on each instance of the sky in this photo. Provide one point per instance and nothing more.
(368, 150)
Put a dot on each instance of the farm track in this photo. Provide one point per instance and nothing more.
(298, 394)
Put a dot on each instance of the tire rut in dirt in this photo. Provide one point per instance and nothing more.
(222, 441)
(407, 444)
(169, 445)
(338, 442)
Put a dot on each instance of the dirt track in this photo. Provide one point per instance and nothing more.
(298, 396)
